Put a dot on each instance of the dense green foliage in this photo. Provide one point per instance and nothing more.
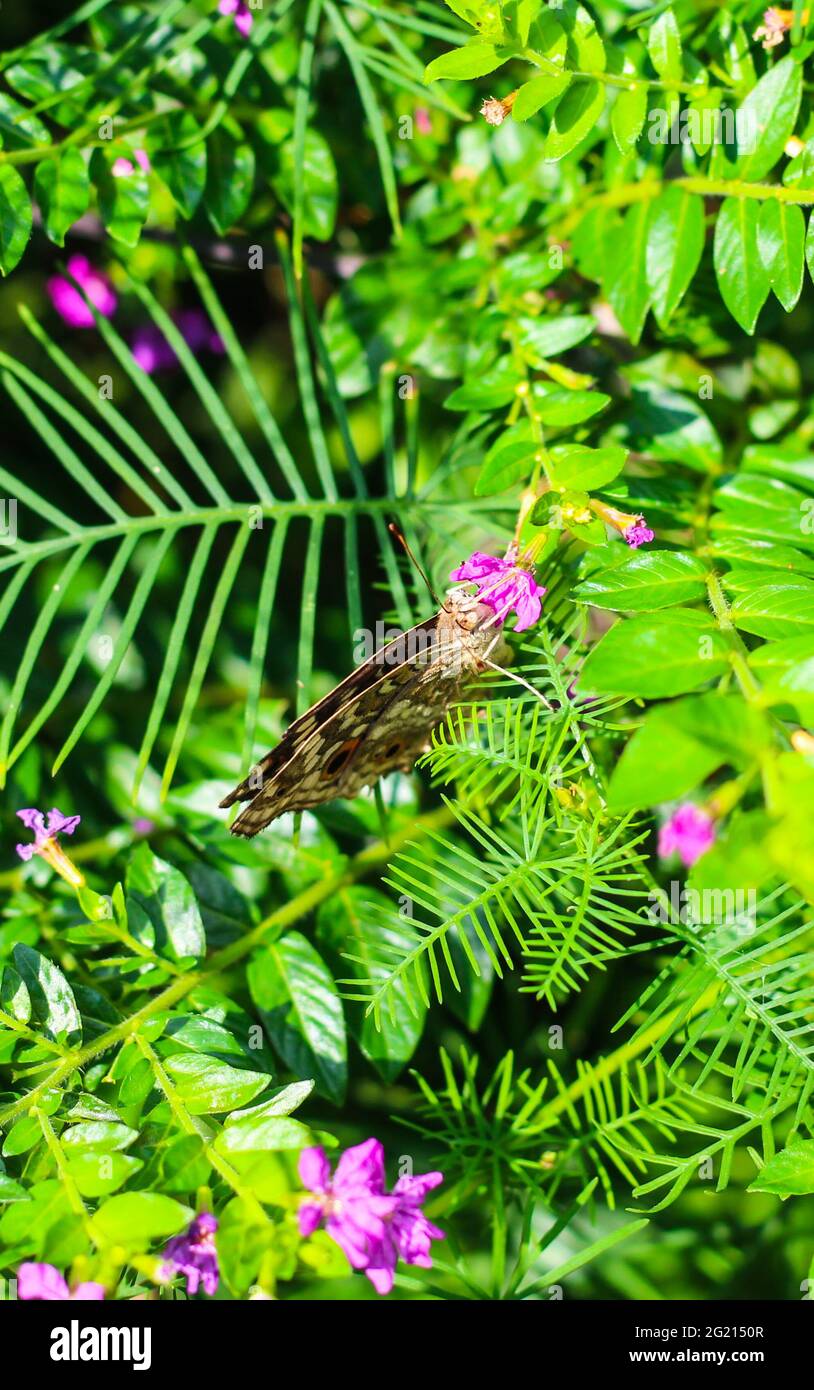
(585, 306)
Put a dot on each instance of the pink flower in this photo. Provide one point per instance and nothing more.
(423, 121)
(45, 841)
(194, 1255)
(122, 167)
(45, 1283)
(689, 832)
(638, 533)
(503, 585)
(69, 303)
(243, 15)
(154, 354)
(371, 1226)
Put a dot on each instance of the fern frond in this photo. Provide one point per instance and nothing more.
(555, 901)
(738, 1000)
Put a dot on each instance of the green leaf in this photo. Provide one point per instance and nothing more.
(123, 201)
(262, 1129)
(577, 466)
(475, 59)
(680, 744)
(781, 234)
(559, 407)
(302, 1011)
(628, 116)
(670, 426)
(575, 117)
(765, 120)
(24, 1134)
(775, 610)
(135, 1219)
(655, 656)
(506, 463)
(166, 898)
(742, 277)
(178, 155)
(664, 46)
(675, 241)
(549, 337)
(97, 1174)
(537, 93)
(62, 189)
(104, 1135)
(229, 179)
(207, 1086)
(494, 388)
(184, 1165)
(646, 581)
(16, 217)
(789, 1173)
(626, 282)
(52, 999)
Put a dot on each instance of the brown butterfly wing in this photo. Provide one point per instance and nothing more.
(298, 734)
(384, 729)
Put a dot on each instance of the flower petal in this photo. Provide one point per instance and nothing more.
(315, 1170)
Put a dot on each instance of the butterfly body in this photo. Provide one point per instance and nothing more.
(378, 720)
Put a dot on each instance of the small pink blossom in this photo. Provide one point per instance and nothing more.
(423, 121)
(689, 832)
(243, 15)
(503, 585)
(638, 533)
(122, 167)
(45, 1283)
(373, 1227)
(69, 303)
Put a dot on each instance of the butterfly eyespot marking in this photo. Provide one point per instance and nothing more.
(339, 760)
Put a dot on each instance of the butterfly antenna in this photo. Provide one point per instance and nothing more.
(394, 530)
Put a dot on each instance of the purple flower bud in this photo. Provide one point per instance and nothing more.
(194, 1255)
(638, 533)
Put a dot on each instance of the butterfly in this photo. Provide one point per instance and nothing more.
(379, 719)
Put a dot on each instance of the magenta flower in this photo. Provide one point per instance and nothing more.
(194, 1255)
(45, 841)
(638, 533)
(123, 167)
(371, 1226)
(69, 303)
(45, 1283)
(503, 585)
(243, 15)
(154, 354)
(689, 832)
